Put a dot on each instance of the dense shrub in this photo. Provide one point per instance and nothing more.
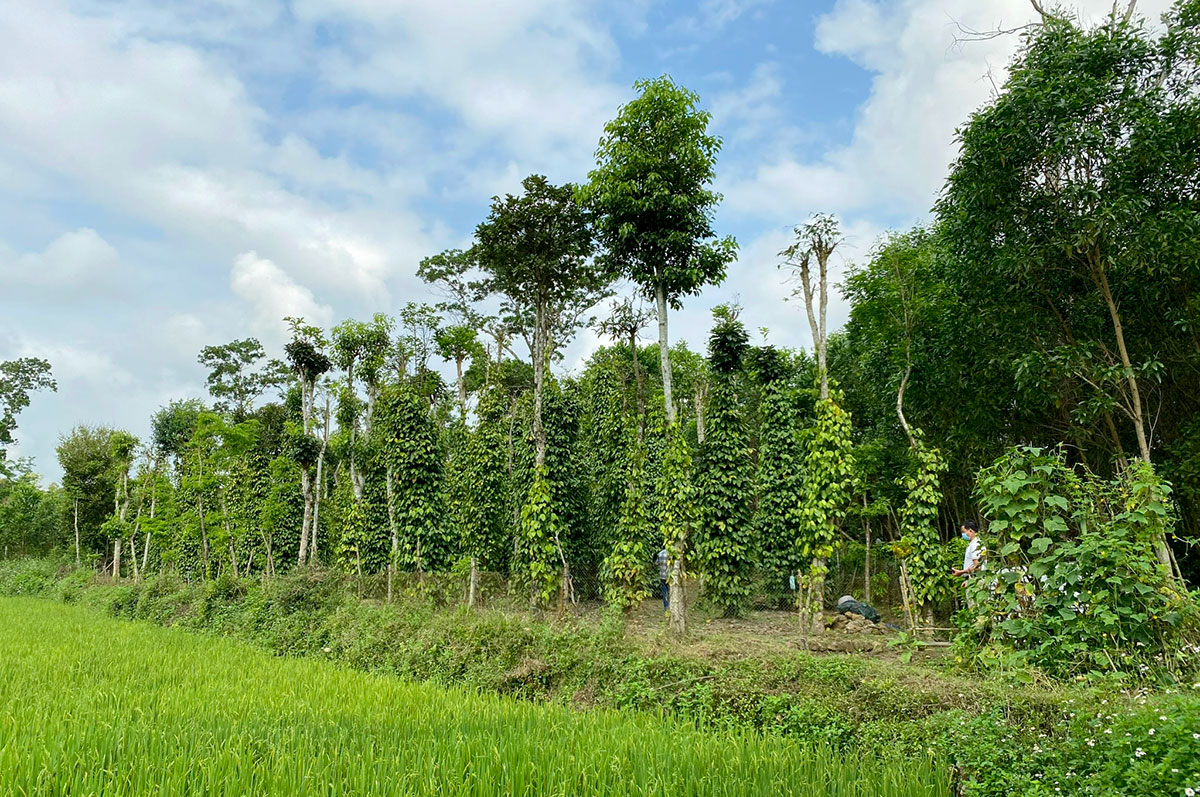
(1071, 583)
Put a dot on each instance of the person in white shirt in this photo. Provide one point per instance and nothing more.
(973, 559)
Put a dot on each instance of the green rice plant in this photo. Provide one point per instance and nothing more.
(93, 705)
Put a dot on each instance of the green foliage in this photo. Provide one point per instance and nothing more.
(778, 520)
(408, 450)
(1071, 584)
(479, 485)
(920, 542)
(19, 378)
(725, 544)
(542, 530)
(625, 572)
(828, 480)
(676, 494)
(650, 190)
(235, 378)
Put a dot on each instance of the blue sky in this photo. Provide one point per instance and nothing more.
(177, 173)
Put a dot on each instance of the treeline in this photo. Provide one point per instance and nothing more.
(1049, 303)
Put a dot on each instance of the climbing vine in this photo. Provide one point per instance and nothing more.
(926, 566)
(724, 540)
(624, 572)
(828, 484)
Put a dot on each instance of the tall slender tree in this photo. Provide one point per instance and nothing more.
(651, 190)
(307, 357)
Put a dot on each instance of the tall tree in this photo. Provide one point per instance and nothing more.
(238, 375)
(307, 357)
(815, 243)
(1078, 185)
(19, 378)
(651, 190)
(86, 458)
(535, 251)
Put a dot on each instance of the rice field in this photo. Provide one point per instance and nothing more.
(91, 705)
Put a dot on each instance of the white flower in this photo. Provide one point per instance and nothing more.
(1190, 792)
(1139, 752)
(1151, 731)
(1108, 730)
(1196, 735)
(1091, 742)
(1164, 719)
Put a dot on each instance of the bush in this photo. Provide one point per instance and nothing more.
(1072, 585)
(27, 576)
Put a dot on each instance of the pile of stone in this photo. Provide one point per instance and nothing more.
(855, 617)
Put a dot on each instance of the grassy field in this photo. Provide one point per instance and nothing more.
(92, 705)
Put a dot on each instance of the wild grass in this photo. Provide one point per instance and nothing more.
(93, 705)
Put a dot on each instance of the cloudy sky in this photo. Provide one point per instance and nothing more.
(177, 173)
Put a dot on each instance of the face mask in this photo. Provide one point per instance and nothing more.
(966, 537)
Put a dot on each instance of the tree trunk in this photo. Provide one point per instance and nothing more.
(815, 329)
(316, 526)
(204, 539)
(823, 342)
(699, 402)
(78, 556)
(676, 594)
(1136, 415)
(473, 586)
(539, 379)
(395, 540)
(664, 351)
(900, 404)
(462, 388)
(116, 571)
(1162, 550)
(867, 554)
(146, 536)
(228, 534)
(306, 491)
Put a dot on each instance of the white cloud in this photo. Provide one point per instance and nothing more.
(167, 134)
(530, 72)
(273, 294)
(713, 16)
(77, 263)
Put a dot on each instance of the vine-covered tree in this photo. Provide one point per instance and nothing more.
(535, 251)
(724, 540)
(479, 487)
(778, 519)
(625, 570)
(409, 450)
